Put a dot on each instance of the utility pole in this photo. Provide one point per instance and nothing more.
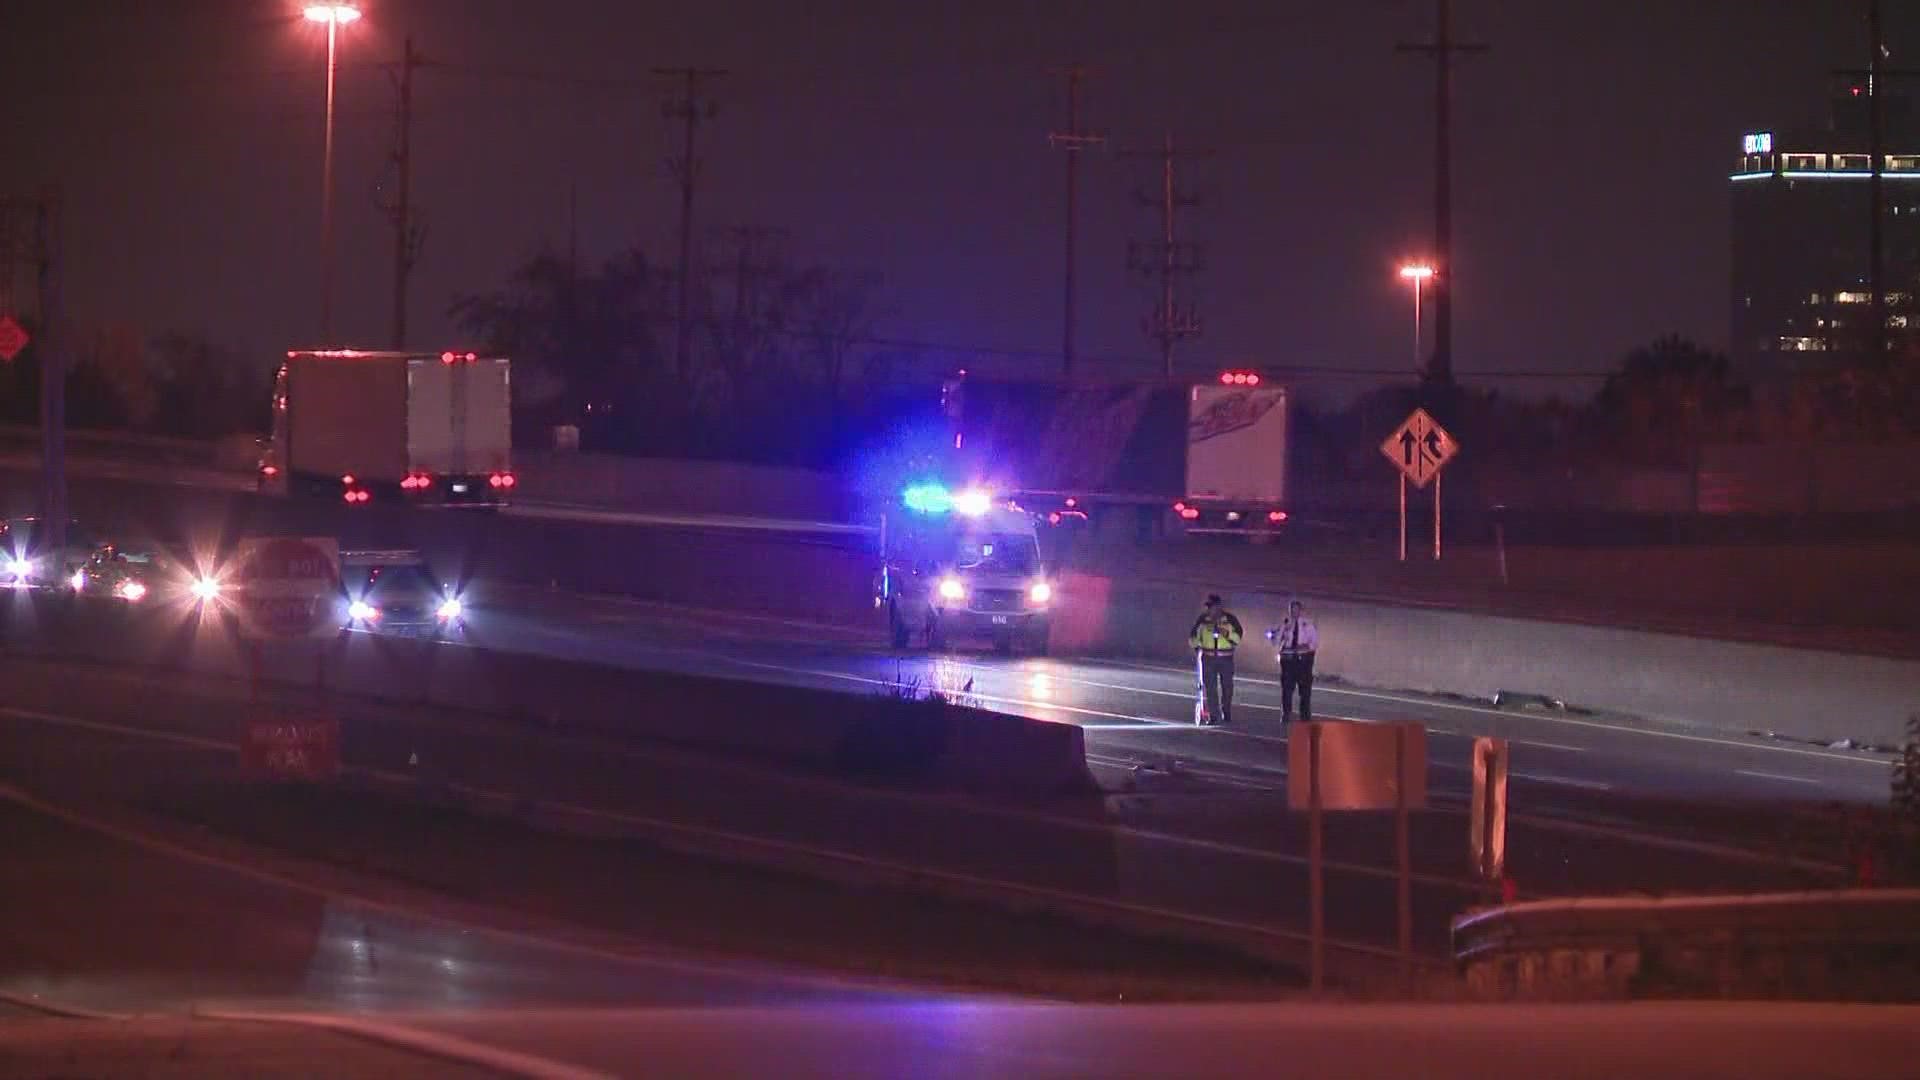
(1072, 141)
(1878, 75)
(1442, 49)
(1167, 260)
(53, 376)
(688, 109)
(408, 234)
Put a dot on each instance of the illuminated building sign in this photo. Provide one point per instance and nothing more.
(1757, 143)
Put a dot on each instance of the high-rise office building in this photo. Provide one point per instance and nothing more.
(1801, 285)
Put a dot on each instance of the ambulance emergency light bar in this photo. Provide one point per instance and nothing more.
(936, 499)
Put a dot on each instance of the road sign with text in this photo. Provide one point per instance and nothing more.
(288, 587)
(1420, 448)
(291, 748)
(13, 338)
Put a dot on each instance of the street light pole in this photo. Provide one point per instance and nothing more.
(334, 16)
(1418, 274)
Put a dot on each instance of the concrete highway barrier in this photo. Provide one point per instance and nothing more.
(878, 737)
(1718, 685)
(1855, 945)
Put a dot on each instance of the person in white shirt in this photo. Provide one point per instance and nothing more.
(1295, 641)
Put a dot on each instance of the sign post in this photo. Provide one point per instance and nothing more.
(1487, 832)
(1350, 765)
(287, 590)
(1419, 448)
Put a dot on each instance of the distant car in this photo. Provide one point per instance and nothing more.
(140, 576)
(26, 561)
(396, 592)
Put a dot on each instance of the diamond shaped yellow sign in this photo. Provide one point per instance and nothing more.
(1420, 448)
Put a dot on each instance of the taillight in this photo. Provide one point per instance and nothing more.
(501, 480)
(347, 478)
(1179, 508)
(1276, 516)
(494, 480)
(359, 496)
(1190, 513)
(417, 482)
(269, 470)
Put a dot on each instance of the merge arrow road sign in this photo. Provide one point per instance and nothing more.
(13, 338)
(289, 587)
(1420, 448)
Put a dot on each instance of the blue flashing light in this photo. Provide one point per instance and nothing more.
(927, 499)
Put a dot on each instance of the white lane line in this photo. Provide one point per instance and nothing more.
(1775, 776)
(1104, 828)
(1030, 703)
(1565, 781)
(1623, 729)
(637, 957)
(1538, 745)
(419, 1041)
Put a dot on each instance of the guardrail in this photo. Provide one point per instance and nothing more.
(1849, 945)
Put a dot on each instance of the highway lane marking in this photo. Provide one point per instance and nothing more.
(1568, 720)
(523, 938)
(418, 1040)
(910, 873)
(1106, 828)
(1335, 690)
(1564, 781)
(1559, 824)
(1775, 776)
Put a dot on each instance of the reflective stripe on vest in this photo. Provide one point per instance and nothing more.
(1216, 637)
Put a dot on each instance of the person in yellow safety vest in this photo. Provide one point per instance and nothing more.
(1214, 637)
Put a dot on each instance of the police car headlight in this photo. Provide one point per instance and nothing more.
(78, 580)
(952, 589)
(204, 588)
(19, 567)
(1040, 593)
(131, 590)
(451, 608)
(362, 611)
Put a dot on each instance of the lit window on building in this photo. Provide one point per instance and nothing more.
(1851, 298)
(1903, 162)
(1815, 300)
(1802, 344)
(1852, 161)
(1806, 161)
(1896, 322)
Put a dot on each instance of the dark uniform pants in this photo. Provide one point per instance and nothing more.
(1216, 685)
(1296, 671)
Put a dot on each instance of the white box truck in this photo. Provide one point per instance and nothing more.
(392, 427)
(1236, 456)
(1208, 458)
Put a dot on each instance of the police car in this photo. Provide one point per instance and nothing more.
(961, 565)
(396, 592)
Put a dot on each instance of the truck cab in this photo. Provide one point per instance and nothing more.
(963, 565)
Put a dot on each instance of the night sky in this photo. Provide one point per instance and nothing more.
(910, 139)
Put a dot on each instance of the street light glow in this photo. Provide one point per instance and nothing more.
(339, 14)
(1416, 272)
